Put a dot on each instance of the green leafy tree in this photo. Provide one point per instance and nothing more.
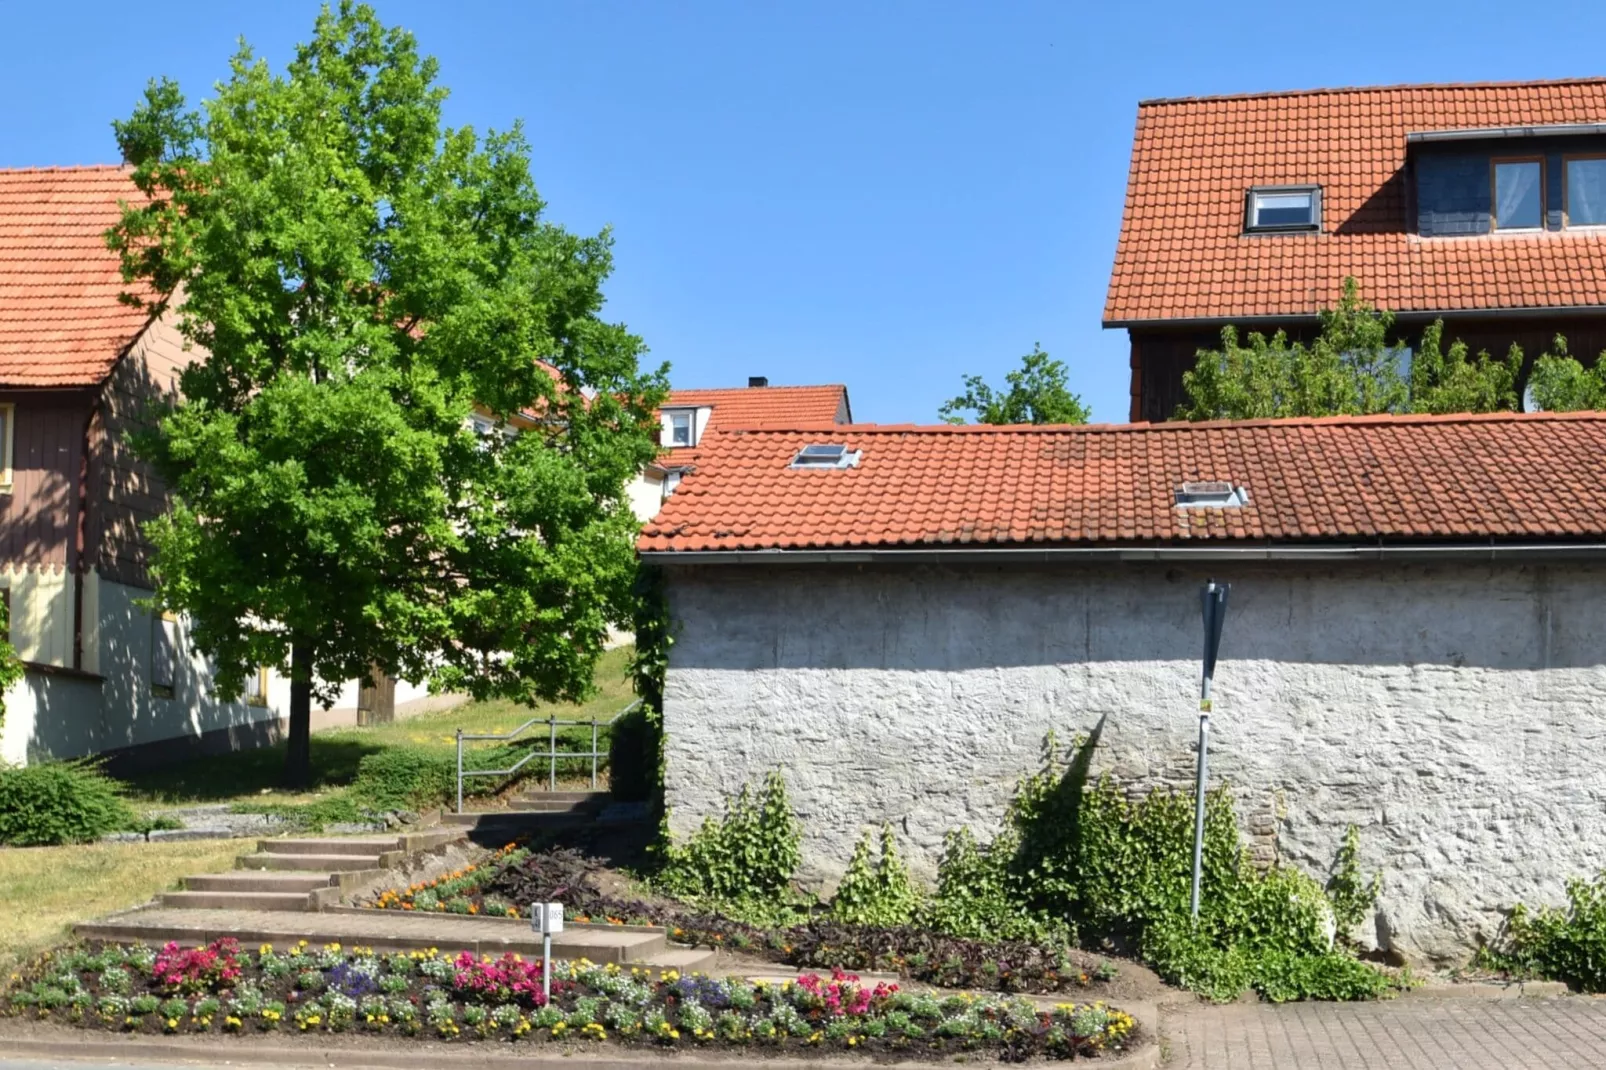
(1561, 383)
(357, 280)
(10, 665)
(1037, 394)
(1445, 381)
(1350, 368)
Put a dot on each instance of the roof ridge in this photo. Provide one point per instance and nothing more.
(1374, 419)
(63, 168)
(772, 388)
(1357, 89)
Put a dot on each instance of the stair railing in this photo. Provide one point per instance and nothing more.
(552, 754)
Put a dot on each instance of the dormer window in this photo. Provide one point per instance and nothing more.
(1584, 179)
(680, 427)
(1519, 194)
(1284, 208)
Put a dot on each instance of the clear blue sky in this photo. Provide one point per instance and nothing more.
(883, 194)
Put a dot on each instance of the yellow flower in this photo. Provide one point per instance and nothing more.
(265, 949)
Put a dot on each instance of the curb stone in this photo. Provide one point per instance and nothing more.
(1489, 990)
(210, 1052)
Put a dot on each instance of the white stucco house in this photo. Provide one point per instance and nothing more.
(896, 616)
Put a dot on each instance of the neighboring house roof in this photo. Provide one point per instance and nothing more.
(1342, 479)
(755, 405)
(61, 324)
(1182, 254)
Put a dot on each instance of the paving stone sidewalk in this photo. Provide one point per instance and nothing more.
(1405, 1034)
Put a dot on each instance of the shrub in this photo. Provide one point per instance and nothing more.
(974, 899)
(402, 778)
(635, 751)
(1566, 944)
(59, 802)
(751, 853)
(878, 893)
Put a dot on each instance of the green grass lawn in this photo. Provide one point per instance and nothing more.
(253, 776)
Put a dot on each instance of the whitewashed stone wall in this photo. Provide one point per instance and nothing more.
(1457, 714)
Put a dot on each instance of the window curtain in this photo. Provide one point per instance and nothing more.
(1586, 192)
(1515, 184)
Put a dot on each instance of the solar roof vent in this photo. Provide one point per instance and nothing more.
(1217, 494)
(826, 456)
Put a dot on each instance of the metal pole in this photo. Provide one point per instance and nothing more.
(546, 969)
(459, 770)
(593, 754)
(552, 753)
(1199, 807)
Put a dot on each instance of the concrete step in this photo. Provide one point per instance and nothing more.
(310, 863)
(381, 930)
(370, 847)
(528, 804)
(256, 881)
(239, 900)
(683, 959)
(597, 797)
(513, 820)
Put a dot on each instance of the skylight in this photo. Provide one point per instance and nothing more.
(1211, 495)
(829, 455)
(1284, 208)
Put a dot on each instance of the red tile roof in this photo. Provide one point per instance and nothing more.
(755, 405)
(1182, 253)
(60, 321)
(1341, 479)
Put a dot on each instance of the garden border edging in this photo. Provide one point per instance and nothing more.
(357, 1057)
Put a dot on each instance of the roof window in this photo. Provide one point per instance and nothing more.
(1284, 208)
(1211, 495)
(826, 456)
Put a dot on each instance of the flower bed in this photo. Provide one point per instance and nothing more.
(222, 988)
(519, 875)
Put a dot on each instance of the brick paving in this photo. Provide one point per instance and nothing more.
(1414, 1033)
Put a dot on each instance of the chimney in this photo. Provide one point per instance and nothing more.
(758, 380)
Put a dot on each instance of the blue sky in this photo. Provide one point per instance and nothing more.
(884, 194)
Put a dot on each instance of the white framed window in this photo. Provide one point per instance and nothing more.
(1519, 194)
(680, 424)
(256, 687)
(8, 419)
(164, 655)
(1274, 208)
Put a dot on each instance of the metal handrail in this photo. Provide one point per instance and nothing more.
(552, 754)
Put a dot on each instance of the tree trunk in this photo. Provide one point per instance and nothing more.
(298, 755)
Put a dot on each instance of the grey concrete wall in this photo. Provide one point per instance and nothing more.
(1456, 714)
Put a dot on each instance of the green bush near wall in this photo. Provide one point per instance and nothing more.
(59, 802)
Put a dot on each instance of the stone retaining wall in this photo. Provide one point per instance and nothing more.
(1454, 713)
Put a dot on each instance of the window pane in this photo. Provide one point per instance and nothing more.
(1284, 209)
(164, 653)
(680, 429)
(1586, 193)
(1517, 196)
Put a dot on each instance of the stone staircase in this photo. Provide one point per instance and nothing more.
(532, 811)
(302, 874)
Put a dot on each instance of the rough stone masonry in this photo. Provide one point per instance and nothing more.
(1455, 713)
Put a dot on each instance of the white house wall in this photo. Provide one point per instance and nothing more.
(1455, 714)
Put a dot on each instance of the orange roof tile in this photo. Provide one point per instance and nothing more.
(1182, 254)
(61, 323)
(1340, 479)
(754, 405)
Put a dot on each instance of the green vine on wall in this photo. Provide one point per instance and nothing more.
(636, 758)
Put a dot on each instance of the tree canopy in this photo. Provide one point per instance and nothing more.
(358, 281)
(1561, 383)
(1037, 394)
(1351, 367)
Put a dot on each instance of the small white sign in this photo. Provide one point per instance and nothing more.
(547, 918)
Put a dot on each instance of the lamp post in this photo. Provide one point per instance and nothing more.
(1214, 601)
